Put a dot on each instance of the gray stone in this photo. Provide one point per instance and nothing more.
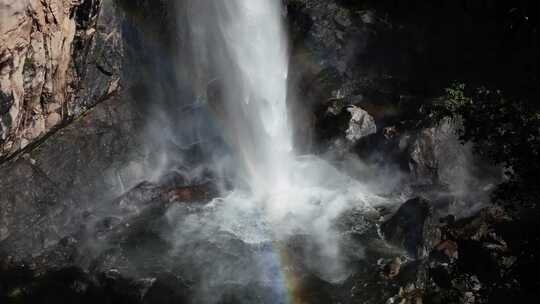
(361, 125)
(413, 228)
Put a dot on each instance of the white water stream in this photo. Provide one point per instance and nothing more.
(244, 43)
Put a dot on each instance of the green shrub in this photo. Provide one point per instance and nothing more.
(504, 130)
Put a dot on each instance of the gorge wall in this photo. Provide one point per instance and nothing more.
(55, 64)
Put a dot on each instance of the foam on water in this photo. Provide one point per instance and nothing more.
(305, 192)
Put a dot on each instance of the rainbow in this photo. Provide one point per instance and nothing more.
(284, 279)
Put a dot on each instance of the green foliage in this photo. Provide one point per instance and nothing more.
(503, 130)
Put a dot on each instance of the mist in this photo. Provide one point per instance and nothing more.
(233, 62)
(268, 151)
(221, 115)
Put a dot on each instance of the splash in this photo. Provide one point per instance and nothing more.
(250, 54)
(242, 62)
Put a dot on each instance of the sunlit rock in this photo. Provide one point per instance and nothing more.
(361, 125)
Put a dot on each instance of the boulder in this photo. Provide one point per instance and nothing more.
(342, 126)
(392, 268)
(413, 228)
(437, 157)
(361, 125)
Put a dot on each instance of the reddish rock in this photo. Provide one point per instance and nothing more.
(448, 248)
(190, 194)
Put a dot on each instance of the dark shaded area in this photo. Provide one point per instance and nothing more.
(503, 129)
(392, 57)
(409, 227)
(432, 43)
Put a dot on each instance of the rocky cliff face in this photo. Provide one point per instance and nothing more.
(45, 48)
(82, 150)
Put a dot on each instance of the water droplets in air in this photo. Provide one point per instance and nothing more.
(279, 193)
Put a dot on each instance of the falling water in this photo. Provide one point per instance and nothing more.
(240, 65)
(241, 62)
(254, 36)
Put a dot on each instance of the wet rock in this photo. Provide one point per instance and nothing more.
(407, 295)
(482, 225)
(424, 163)
(73, 285)
(144, 203)
(390, 132)
(392, 269)
(343, 126)
(124, 289)
(368, 16)
(168, 288)
(189, 194)
(6, 101)
(342, 18)
(61, 255)
(69, 284)
(111, 260)
(448, 248)
(361, 125)
(46, 194)
(47, 191)
(101, 70)
(413, 228)
(438, 158)
(138, 198)
(480, 271)
(25, 225)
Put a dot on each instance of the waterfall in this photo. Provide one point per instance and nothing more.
(256, 89)
(240, 66)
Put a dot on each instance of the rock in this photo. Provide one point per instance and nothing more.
(448, 248)
(46, 193)
(481, 226)
(134, 201)
(407, 295)
(148, 195)
(53, 119)
(343, 126)
(28, 197)
(361, 125)
(368, 16)
(47, 49)
(392, 269)
(36, 49)
(475, 263)
(390, 132)
(438, 158)
(112, 260)
(168, 288)
(188, 194)
(71, 179)
(101, 71)
(342, 18)
(424, 162)
(413, 228)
